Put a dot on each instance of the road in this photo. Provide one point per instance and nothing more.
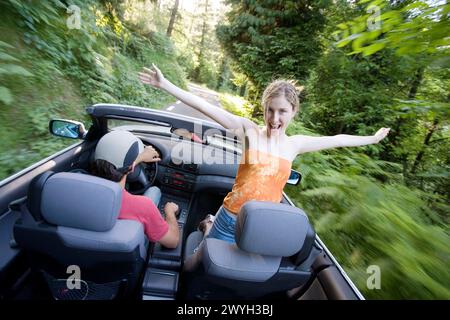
(182, 108)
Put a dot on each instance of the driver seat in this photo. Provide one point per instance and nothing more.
(273, 253)
(70, 219)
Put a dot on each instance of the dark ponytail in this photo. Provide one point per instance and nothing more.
(106, 170)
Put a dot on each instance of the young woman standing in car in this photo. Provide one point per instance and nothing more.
(267, 152)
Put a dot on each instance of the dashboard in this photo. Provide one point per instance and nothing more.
(191, 167)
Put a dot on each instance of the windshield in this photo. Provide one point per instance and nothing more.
(129, 125)
(225, 142)
(156, 127)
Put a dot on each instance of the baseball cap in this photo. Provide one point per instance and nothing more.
(119, 147)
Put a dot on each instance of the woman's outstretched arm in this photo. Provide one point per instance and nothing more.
(306, 144)
(155, 78)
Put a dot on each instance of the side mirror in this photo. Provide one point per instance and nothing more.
(67, 128)
(294, 178)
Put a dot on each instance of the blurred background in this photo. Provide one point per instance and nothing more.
(363, 65)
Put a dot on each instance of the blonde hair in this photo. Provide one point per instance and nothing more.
(282, 88)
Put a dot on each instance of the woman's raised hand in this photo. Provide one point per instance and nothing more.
(381, 134)
(153, 76)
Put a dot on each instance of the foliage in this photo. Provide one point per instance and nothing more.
(236, 105)
(268, 39)
(197, 47)
(71, 68)
(9, 68)
(364, 222)
(354, 94)
(418, 27)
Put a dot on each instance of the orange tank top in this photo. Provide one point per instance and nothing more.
(261, 176)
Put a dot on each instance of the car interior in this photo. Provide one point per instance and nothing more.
(60, 232)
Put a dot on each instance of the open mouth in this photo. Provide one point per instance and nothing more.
(274, 127)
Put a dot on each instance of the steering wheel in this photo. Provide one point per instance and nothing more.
(144, 174)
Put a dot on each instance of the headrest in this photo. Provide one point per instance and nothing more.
(81, 201)
(34, 195)
(119, 147)
(273, 229)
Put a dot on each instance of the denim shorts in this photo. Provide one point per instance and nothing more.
(154, 193)
(223, 226)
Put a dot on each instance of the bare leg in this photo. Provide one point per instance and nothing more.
(208, 227)
(192, 262)
(206, 224)
(194, 259)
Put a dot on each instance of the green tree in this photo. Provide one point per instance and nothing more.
(418, 27)
(273, 38)
(173, 15)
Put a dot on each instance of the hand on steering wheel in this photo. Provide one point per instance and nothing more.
(147, 160)
(148, 155)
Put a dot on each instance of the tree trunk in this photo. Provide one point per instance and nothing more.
(172, 18)
(411, 95)
(223, 73)
(339, 127)
(416, 83)
(394, 137)
(202, 43)
(242, 89)
(426, 142)
(192, 17)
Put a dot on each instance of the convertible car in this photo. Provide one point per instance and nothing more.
(60, 237)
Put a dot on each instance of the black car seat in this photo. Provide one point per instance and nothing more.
(273, 253)
(70, 219)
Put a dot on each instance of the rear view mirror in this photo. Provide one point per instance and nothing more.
(294, 178)
(181, 132)
(67, 129)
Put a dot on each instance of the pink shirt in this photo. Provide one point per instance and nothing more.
(142, 209)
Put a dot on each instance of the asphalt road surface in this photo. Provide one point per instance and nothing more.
(181, 108)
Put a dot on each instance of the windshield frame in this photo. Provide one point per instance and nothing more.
(224, 142)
